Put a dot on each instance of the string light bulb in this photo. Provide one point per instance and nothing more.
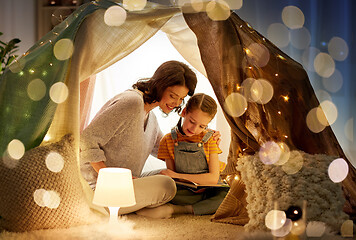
(286, 98)
(281, 57)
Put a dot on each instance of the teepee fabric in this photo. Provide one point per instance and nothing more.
(40, 104)
(232, 51)
(40, 94)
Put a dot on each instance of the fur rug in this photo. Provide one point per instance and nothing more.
(270, 184)
(134, 227)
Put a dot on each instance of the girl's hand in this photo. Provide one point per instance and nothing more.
(216, 136)
(169, 173)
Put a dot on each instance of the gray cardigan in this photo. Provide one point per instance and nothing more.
(118, 137)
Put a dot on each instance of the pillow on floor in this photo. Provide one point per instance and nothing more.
(42, 190)
(267, 184)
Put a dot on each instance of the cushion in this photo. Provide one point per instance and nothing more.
(42, 190)
(281, 184)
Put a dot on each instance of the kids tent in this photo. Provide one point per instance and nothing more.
(45, 96)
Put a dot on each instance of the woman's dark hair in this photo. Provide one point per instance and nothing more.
(203, 102)
(170, 73)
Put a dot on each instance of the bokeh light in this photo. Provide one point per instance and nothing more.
(294, 213)
(258, 54)
(197, 5)
(58, 92)
(275, 219)
(315, 229)
(51, 199)
(293, 17)
(54, 162)
(267, 91)
(8, 161)
(294, 164)
(349, 129)
(17, 66)
(249, 88)
(181, 3)
(38, 197)
(298, 227)
(284, 230)
(218, 10)
(269, 153)
(308, 58)
(63, 49)
(134, 5)
(235, 105)
(256, 91)
(323, 95)
(278, 34)
(324, 65)
(235, 4)
(16, 149)
(313, 122)
(334, 82)
(327, 113)
(338, 49)
(44, 198)
(300, 38)
(338, 170)
(115, 16)
(36, 89)
(347, 229)
(285, 154)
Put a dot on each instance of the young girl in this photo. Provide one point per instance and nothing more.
(192, 154)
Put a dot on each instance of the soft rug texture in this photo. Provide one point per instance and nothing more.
(304, 177)
(132, 227)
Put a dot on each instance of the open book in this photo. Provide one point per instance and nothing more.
(193, 185)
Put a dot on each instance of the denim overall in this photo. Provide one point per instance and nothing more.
(190, 157)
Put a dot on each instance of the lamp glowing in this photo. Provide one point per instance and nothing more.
(114, 189)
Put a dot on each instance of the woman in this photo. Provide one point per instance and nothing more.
(125, 131)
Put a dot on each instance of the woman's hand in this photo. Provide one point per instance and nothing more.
(169, 173)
